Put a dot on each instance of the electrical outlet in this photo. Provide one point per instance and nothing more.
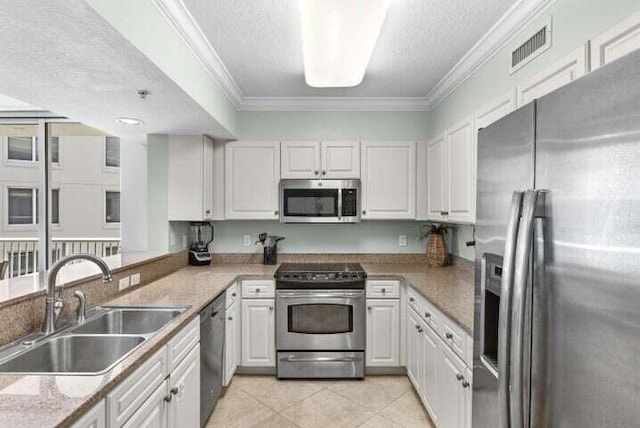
(124, 283)
(135, 279)
(402, 240)
(184, 241)
(247, 240)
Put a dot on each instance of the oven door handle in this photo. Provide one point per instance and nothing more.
(301, 295)
(321, 360)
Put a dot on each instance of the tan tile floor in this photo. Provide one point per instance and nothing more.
(265, 402)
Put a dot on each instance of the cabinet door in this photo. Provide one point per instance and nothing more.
(429, 370)
(495, 110)
(422, 181)
(413, 350)
(231, 350)
(460, 176)
(186, 178)
(436, 203)
(451, 403)
(184, 387)
(557, 75)
(96, 417)
(468, 392)
(383, 333)
(252, 174)
(153, 412)
(340, 159)
(207, 181)
(258, 333)
(388, 180)
(300, 159)
(616, 42)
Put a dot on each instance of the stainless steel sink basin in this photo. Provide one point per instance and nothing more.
(75, 354)
(129, 320)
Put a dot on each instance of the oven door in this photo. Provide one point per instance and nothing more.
(321, 320)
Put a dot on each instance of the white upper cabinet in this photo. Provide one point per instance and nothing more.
(565, 71)
(327, 159)
(388, 179)
(436, 203)
(495, 110)
(422, 180)
(252, 174)
(300, 159)
(340, 159)
(616, 42)
(191, 191)
(460, 177)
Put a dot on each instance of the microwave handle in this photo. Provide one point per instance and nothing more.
(339, 203)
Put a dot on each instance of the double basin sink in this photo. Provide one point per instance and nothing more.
(107, 336)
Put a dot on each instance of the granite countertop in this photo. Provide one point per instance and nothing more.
(45, 401)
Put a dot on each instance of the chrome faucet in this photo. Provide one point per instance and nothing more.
(82, 306)
(54, 303)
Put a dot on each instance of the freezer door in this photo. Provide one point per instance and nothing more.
(505, 164)
(586, 312)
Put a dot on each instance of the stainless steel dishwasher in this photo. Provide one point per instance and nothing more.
(211, 355)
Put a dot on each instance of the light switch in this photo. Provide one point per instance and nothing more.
(247, 240)
(123, 283)
(135, 279)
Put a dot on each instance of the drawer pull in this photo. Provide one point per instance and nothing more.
(459, 376)
(449, 336)
(427, 315)
(168, 398)
(411, 299)
(230, 318)
(257, 290)
(384, 290)
(465, 384)
(270, 308)
(420, 330)
(233, 294)
(369, 307)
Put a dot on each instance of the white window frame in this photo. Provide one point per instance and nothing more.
(105, 168)
(5, 199)
(33, 163)
(58, 225)
(105, 224)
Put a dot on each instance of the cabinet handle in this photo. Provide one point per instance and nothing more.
(369, 307)
(417, 326)
(230, 318)
(411, 299)
(208, 211)
(233, 294)
(276, 212)
(427, 315)
(270, 308)
(459, 376)
(384, 290)
(324, 172)
(445, 212)
(465, 384)
(316, 172)
(448, 336)
(364, 212)
(420, 330)
(175, 390)
(168, 398)
(257, 290)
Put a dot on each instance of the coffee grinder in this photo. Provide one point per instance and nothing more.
(201, 237)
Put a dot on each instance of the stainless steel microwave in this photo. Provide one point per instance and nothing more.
(319, 201)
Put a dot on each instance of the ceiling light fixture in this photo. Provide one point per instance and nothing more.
(129, 121)
(338, 37)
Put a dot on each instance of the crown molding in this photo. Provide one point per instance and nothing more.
(498, 36)
(501, 33)
(177, 14)
(333, 104)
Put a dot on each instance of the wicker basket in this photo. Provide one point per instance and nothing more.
(436, 251)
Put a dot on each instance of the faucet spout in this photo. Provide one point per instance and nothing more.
(54, 302)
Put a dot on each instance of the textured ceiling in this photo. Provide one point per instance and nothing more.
(63, 57)
(259, 41)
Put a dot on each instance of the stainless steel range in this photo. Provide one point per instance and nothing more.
(320, 320)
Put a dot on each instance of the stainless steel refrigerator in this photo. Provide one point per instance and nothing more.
(557, 288)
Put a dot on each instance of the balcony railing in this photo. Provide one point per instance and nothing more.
(22, 253)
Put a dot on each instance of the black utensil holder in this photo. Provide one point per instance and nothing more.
(270, 256)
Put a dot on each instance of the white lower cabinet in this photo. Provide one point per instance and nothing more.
(383, 333)
(94, 418)
(258, 333)
(429, 393)
(231, 343)
(153, 413)
(413, 353)
(451, 400)
(184, 389)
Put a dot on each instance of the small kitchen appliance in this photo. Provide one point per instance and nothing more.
(319, 201)
(201, 237)
(320, 320)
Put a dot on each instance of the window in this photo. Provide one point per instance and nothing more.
(22, 149)
(23, 206)
(55, 149)
(112, 152)
(112, 207)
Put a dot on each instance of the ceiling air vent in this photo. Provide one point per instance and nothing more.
(531, 48)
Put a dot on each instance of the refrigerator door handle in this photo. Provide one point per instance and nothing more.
(504, 323)
(521, 278)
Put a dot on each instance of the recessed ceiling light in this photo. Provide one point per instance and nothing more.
(338, 38)
(129, 121)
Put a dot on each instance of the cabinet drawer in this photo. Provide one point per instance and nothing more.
(127, 397)
(383, 289)
(453, 336)
(414, 300)
(232, 295)
(94, 418)
(180, 344)
(430, 315)
(258, 289)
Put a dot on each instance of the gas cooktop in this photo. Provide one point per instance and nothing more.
(317, 273)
